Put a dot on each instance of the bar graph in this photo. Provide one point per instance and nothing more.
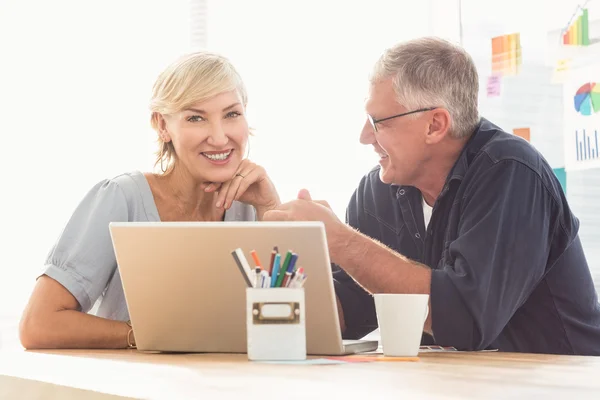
(586, 145)
(506, 54)
(577, 34)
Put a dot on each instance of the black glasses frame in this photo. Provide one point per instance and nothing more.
(374, 121)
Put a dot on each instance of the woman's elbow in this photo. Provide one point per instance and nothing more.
(30, 331)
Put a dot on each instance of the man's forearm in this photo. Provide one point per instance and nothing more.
(377, 268)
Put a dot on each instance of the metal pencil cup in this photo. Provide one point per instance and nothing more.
(276, 327)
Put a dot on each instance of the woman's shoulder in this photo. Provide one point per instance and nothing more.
(128, 182)
(128, 190)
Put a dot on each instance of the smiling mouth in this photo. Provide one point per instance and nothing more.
(216, 156)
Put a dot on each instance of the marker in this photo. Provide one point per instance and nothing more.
(298, 278)
(245, 264)
(299, 282)
(271, 262)
(302, 280)
(283, 269)
(292, 265)
(256, 259)
(293, 279)
(265, 279)
(276, 262)
(257, 277)
(242, 268)
(287, 279)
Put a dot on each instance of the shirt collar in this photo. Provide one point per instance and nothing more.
(484, 131)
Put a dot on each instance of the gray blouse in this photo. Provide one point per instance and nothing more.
(83, 258)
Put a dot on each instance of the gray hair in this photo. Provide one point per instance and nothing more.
(432, 72)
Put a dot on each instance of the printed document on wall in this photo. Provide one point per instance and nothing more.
(582, 118)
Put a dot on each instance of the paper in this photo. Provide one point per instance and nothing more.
(372, 358)
(429, 349)
(438, 349)
(493, 86)
(561, 71)
(309, 361)
(506, 54)
(578, 32)
(525, 133)
(561, 174)
(582, 119)
(355, 358)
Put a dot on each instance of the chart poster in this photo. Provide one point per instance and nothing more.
(582, 119)
(561, 174)
(506, 54)
(524, 133)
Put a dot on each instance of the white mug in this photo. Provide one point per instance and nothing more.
(401, 318)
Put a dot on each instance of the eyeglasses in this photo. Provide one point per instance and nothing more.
(374, 121)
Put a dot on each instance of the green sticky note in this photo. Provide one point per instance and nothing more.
(561, 174)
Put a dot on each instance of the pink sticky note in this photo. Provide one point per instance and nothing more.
(493, 86)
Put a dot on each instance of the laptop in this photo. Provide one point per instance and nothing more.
(185, 293)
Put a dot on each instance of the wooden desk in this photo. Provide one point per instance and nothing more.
(131, 374)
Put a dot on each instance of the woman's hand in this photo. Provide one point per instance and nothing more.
(250, 185)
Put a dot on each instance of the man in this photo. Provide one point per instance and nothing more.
(460, 210)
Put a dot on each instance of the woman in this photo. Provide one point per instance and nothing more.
(198, 111)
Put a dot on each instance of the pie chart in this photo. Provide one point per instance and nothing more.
(587, 99)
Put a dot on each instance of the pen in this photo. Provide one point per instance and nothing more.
(265, 279)
(283, 269)
(297, 279)
(257, 277)
(275, 269)
(299, 282)
(243, 270)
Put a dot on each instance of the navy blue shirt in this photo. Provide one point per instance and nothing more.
(508, 268)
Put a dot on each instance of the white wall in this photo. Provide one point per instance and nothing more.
(306, 65)
(75, 80)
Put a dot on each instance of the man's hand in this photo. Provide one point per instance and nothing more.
(306, 209)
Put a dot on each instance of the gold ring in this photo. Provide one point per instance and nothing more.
(238, 174)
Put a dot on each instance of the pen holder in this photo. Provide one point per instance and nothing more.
(276, 325)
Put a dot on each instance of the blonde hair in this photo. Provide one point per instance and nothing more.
(191, 79)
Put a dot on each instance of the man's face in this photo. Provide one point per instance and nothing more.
(399, 142)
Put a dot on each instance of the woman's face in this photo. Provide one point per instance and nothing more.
(210, 137)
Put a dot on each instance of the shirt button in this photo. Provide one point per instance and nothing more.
(417, 235)
(401, 192)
